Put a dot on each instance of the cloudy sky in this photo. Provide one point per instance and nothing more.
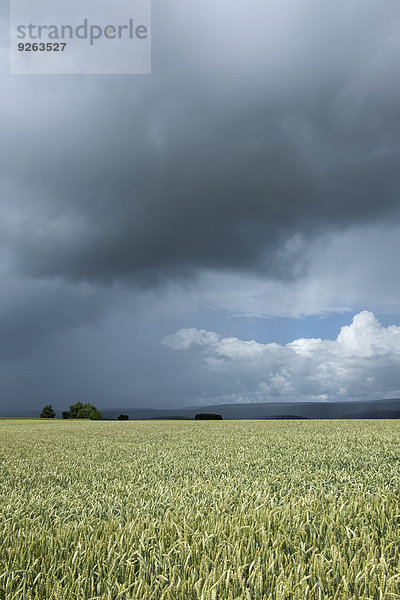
(224, 230)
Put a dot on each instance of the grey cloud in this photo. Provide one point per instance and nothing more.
(266, 125)
(257, 168)
(61, 344)
(349, 270)
(32, 313)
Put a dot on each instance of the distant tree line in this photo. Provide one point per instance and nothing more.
(89, 411)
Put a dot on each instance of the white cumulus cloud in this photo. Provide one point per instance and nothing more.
(363, 362)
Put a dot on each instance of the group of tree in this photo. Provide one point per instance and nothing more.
(82, 411)
(76, 411)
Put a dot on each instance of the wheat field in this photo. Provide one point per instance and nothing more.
(199, 510)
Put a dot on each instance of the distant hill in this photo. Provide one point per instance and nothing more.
(373, 409)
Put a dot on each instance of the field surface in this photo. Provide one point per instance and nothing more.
(228, 510)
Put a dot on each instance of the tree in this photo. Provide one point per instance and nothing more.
(65, 414)
(208, 417)
(123, 418)
(74, 410)
(83, 411)
(47, 412)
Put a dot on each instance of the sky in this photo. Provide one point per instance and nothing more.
(225, 229)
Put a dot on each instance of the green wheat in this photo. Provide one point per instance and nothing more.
(252, 510)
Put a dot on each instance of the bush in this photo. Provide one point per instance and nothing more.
(47, 412)
(208, 417)
(65, 414)
(123, 418)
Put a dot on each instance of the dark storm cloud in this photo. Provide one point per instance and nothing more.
(261, 124)
(33, 312)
